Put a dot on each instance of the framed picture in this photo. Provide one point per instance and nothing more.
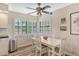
(63, 20)
(74, 23)
(63, 28)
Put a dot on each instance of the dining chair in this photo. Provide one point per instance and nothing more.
(40, 49)
(55, 49)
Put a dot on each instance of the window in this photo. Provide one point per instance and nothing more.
(16, 26)
(45, 27)
(22, 26)
(34, 27)
(29, 27)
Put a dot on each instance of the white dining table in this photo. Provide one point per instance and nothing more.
(50, 42)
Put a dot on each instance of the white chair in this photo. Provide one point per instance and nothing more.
(39, 48)
(55, 50)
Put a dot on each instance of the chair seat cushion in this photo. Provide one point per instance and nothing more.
(44, 46)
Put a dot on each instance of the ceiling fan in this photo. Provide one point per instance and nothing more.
(39, 10)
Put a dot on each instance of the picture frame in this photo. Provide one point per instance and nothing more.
(63, 20)
(63, 28)
(74, 23)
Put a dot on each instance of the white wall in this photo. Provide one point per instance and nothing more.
(72, 40)
(3, 31)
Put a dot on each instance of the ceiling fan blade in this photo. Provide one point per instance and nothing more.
(31, 12)
(47, 12)
(30, 8)
(47, 6)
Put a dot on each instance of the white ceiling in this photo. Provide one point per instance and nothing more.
(21, 7)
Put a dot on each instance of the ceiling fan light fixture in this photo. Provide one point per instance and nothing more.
(51, 13)
(39, 4)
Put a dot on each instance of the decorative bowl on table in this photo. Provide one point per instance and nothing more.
(45, 37)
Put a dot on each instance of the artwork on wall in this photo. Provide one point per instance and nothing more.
(63, 20)
(74, 23)
(63, 28)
